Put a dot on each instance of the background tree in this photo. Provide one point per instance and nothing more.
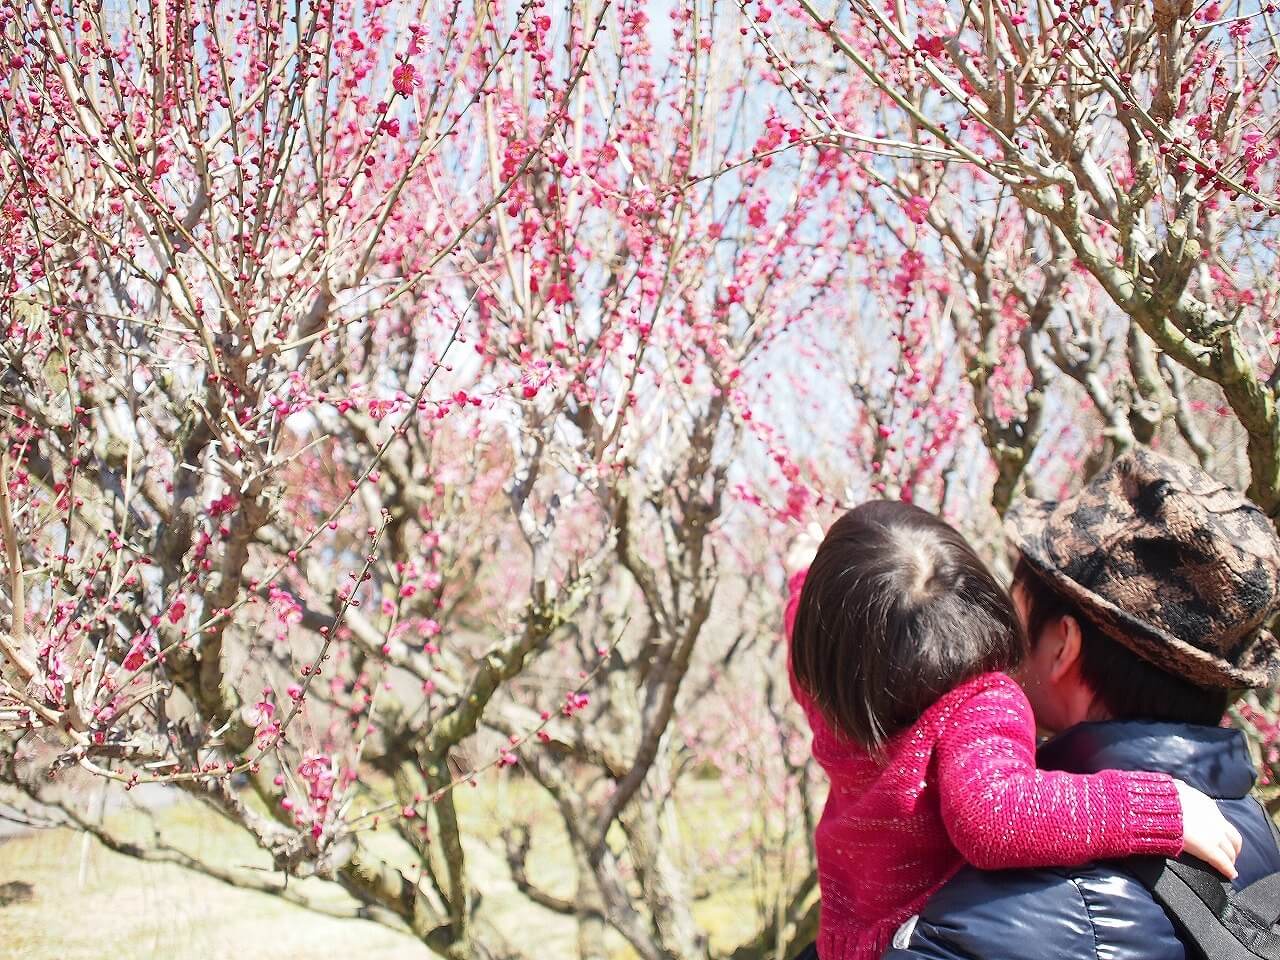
(400, 395)
(373, 389)
(1087, 191)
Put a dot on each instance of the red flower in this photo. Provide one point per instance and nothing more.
(224, 504)
(559, 293)
(929, 45)
(138, 652)
(404, 78)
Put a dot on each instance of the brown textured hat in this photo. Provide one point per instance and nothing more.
(1175, 565)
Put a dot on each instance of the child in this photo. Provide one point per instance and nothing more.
(898, 639)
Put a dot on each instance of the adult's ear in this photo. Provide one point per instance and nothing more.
(1064, 637)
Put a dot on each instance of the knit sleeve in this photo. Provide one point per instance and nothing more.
(794, 587)
(1000, 811)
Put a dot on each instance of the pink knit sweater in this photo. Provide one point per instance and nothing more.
(960, 786)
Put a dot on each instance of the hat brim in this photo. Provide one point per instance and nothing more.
(1025, 525)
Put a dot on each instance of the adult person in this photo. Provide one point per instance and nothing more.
(1145, 598)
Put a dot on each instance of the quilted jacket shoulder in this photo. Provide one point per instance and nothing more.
(1098, 911)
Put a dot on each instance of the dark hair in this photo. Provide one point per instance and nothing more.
(896, 610)
(1129, 687)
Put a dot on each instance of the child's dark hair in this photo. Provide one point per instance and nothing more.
(896, 610)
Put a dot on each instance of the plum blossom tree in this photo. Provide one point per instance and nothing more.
(374, 383)
(397, 395)
(1087, 191)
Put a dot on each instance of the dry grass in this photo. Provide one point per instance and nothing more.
(88, 903)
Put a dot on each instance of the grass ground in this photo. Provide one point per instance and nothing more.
(87, 903)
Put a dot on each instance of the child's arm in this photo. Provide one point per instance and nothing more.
(1000, 811)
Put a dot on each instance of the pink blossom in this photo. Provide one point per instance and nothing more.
(404, 78)
(223, 505)
(917, 209)
(142, 645)
(261, 712)
(287, 609)
(559, 293)
(798, 497)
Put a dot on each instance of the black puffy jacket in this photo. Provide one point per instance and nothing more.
(1098, 911)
